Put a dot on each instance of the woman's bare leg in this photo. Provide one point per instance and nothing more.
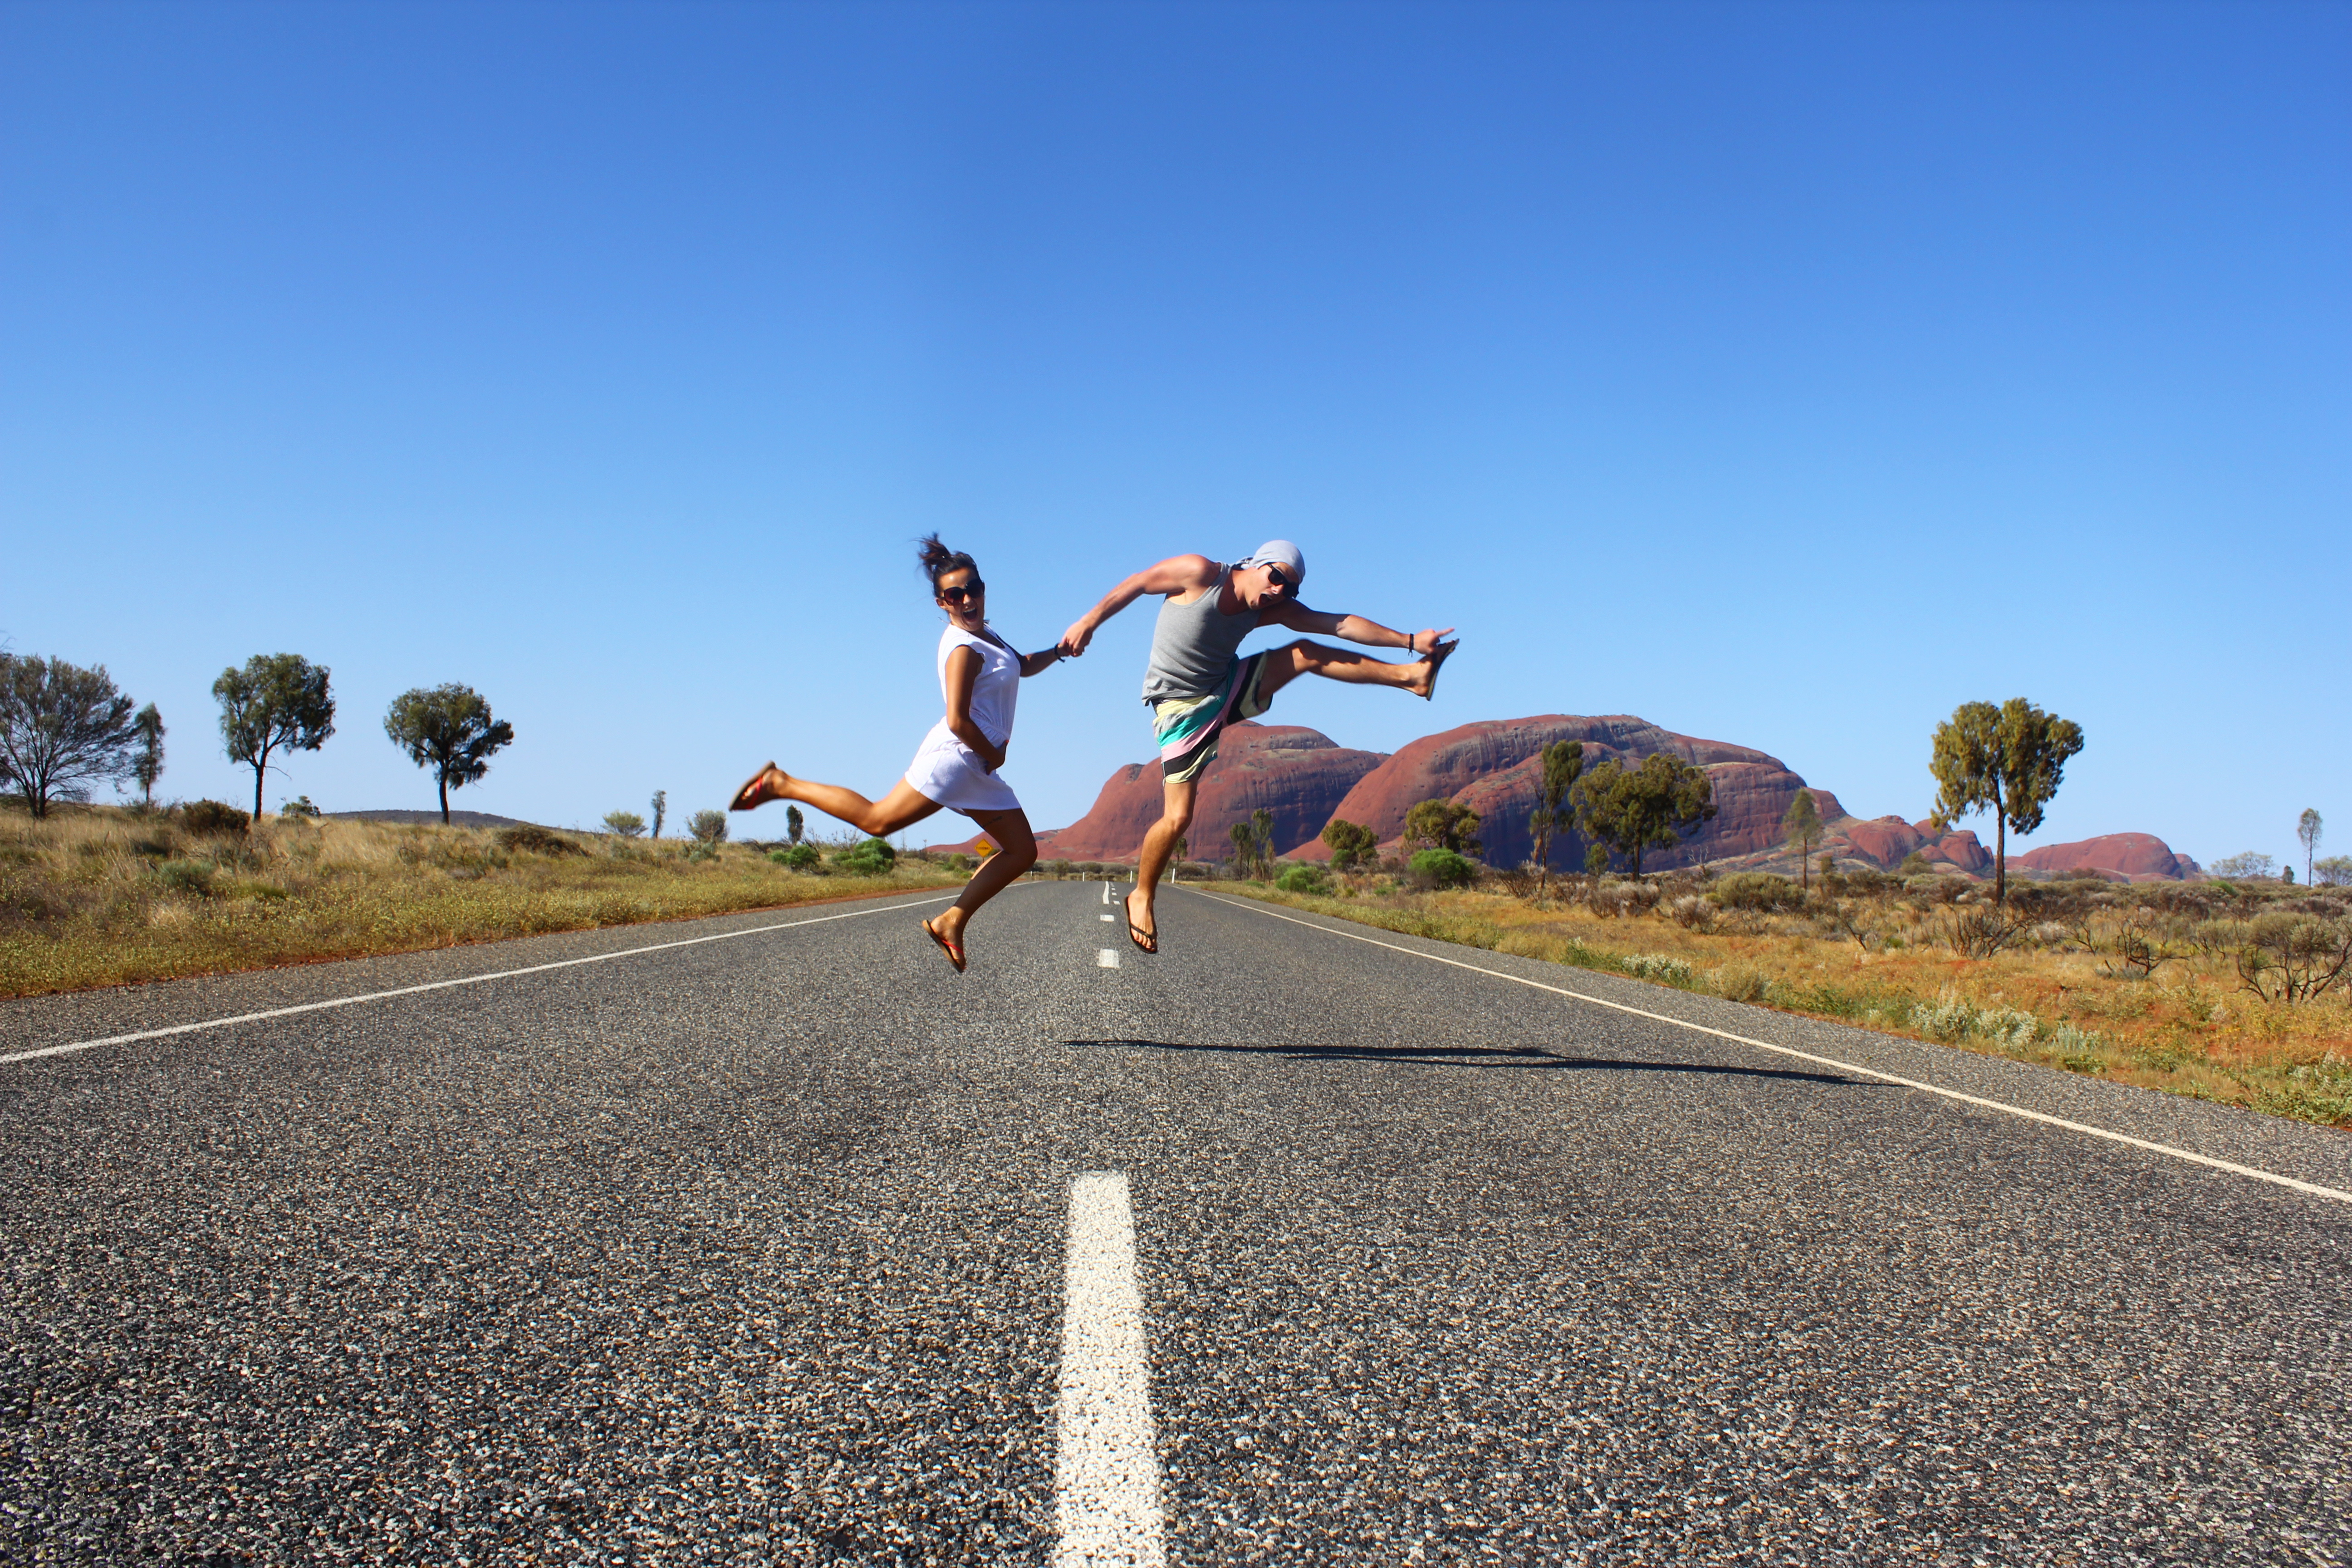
(902, 807)
(1016, 851)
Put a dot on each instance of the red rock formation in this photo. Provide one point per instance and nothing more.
(2134, 855)
(1494, 768)
(1295, 773)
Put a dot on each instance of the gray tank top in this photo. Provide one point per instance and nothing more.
(1193, 646)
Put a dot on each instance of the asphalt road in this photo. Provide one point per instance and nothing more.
(753, 1251)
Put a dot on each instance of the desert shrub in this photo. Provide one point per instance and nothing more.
(1656, 966)
(959, 862)
(1692, 912)
(212, 816)
(1739, 982)
(186, 877)
(868, 857)
(2293, 957)
(805, 858)
(1756, 890)
(299, 810)
(1442, 869)
(1621, 899)
(530, 839)
(708, 827)
(626, 824)
(1304, 878)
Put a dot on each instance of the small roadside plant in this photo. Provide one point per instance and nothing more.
(1304, 878)
(868, 857)
(708, 827)
(805, 858)
(623, 824)
(299, 810)
(1442, 869)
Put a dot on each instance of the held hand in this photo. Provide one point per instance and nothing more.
(1424, 642)
(1074, 641)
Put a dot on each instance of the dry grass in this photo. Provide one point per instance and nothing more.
(2060, 996)
(99, 896)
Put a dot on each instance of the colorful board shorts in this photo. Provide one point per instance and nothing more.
(1187, 727)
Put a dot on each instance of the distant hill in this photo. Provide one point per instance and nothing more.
(457, 818)
(1305, 779)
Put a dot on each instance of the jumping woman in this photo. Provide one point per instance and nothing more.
(980, 677)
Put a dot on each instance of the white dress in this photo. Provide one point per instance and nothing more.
(945, 769)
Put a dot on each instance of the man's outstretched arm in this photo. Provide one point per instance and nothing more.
(1356, 629)
(1176, 574)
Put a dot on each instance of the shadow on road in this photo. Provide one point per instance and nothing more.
(1471, 1057)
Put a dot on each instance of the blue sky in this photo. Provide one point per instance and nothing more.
(1785, 375)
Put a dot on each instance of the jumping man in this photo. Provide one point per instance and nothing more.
(1197, 684)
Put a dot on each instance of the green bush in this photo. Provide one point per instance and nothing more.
(708, 826)
(1305, 877)
(1442, 869)
(186, 877)
(959, 863)
(798, 857)
(1757, 890)
(869, 857)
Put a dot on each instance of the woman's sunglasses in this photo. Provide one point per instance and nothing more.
(956, 595)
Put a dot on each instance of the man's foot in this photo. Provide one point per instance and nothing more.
(759, 788)
(1424, 678)
(1145, 937)
(948, 944)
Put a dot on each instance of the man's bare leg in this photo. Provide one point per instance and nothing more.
(1016, 851)
(1288, 662)
(1159, 848)
(902, 807)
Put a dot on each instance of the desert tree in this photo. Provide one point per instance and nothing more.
(796, 825)
(147, 755)
(1351, 844)
(2007, 760)
(1254, 845)
(62, 729)
(708, 827)
(1635, 810)
(1563, 764)
(623, 824)
(277, 701)
(449, 730)
(2307, 833)
(1443, 824)
(1801, 826)
(660, 804)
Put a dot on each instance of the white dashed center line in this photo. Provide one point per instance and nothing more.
(1107, 1467)
(1105, 958)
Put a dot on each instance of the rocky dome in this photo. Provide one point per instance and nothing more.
(1297, 774)
(2142, 857)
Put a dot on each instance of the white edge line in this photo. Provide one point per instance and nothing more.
(2314, 1188)
(446, 985)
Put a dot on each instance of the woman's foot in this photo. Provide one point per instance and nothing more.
(951, 945)
(1424, 674)
(1146, 937)
(761, 787)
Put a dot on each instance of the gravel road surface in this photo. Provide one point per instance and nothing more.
(753, 1251)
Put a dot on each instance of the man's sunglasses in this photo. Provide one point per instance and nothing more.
(956, 595)
(1282, 585)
